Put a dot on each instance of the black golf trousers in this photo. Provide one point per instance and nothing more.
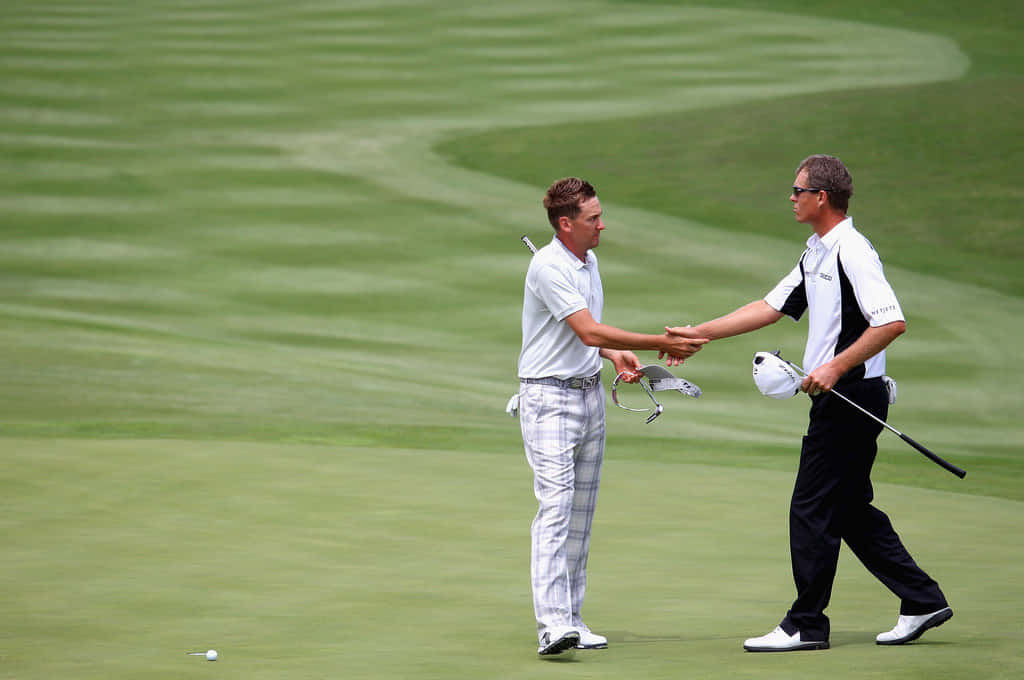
(832, 503)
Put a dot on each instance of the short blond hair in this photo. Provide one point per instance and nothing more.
(565, 196)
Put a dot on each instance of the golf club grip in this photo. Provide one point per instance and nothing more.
(944, 463)
(529, 244)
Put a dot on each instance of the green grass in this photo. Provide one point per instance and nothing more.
(260, 284)
(930, 180)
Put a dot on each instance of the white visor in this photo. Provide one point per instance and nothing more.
(774, 377)
(662, 379)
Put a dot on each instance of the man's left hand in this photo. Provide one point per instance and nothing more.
(626, 364)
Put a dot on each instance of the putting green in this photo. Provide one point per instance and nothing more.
(299, 559)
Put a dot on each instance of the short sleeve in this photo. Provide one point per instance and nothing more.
(875, 296)
(556, 289)
(790, 295)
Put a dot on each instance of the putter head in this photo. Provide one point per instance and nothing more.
(657, 412)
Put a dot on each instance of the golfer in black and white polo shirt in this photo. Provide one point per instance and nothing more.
(561, 406)
(853, 316)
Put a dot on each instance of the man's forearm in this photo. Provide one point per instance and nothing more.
(749, 317)
(595, 334)
(610, 337)
(871, 342)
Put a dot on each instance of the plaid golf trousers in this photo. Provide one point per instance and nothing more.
(563, 434)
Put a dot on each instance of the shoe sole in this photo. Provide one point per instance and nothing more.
(567, 641)
(933, 622)
(603, 645)
(802, 647)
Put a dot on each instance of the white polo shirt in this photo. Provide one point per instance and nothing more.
(557, 285)
(839, 278)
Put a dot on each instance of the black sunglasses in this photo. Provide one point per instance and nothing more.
(800, 190)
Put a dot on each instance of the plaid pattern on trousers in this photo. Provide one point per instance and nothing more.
(564, 435)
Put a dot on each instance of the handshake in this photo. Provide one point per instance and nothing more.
(680, 343)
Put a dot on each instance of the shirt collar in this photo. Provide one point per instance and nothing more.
(571, 258)
(832, 237)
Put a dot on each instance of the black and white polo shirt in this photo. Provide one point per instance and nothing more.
(839, 279)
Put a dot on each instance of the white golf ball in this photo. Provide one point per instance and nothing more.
(211, 655)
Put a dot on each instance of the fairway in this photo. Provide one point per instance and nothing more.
(261, 289)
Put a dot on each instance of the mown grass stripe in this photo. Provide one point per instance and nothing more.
(29, 140)
(19, 87)
(54, 117)
(58, 64)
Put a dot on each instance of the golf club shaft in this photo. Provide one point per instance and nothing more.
(931, 456)
(529, 243)
(934, 458)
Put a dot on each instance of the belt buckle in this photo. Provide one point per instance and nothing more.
(585, 383)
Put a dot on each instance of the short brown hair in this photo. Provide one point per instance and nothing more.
(829, 173)
(564, 196)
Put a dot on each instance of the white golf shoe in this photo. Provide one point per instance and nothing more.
(780, 641)
(591, 640)
(558, 640)
(909, 628)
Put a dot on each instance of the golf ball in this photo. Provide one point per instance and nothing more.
(211, 655)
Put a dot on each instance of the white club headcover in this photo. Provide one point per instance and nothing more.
(774, 377)
(661, 379)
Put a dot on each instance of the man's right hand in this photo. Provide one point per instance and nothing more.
(678, 346)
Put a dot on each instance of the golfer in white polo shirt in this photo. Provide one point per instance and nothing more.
(561, 405)
(853, 316)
